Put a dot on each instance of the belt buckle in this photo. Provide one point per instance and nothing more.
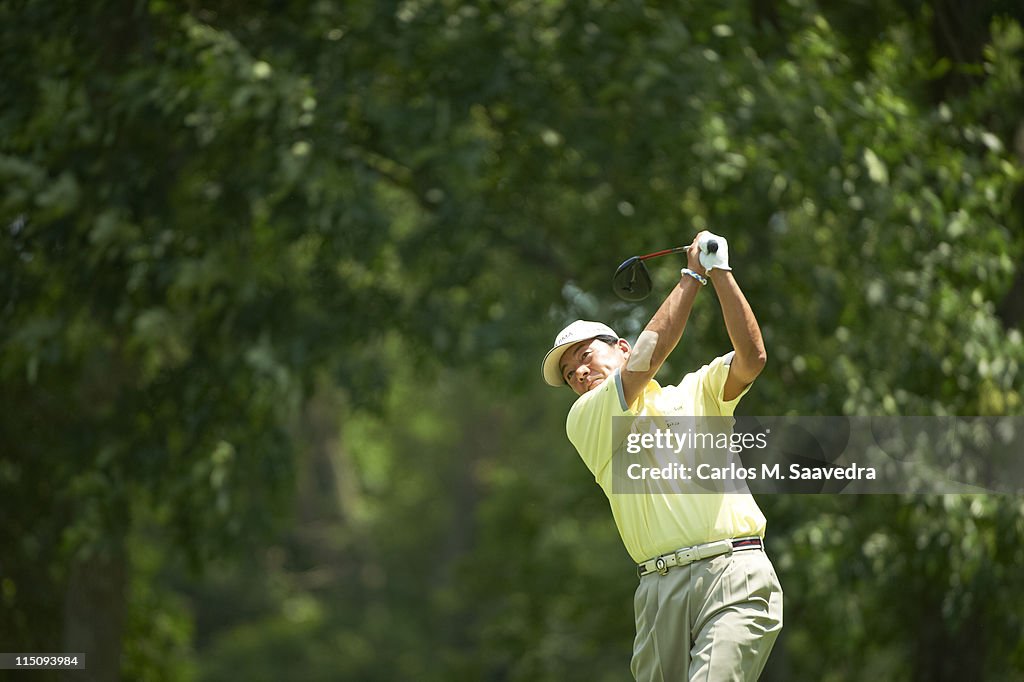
(660, 565)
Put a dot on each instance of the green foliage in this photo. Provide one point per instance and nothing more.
(278, 277)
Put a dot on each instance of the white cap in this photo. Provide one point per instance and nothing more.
(580, 330)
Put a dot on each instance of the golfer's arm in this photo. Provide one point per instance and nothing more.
(668, 323)
(745, 334)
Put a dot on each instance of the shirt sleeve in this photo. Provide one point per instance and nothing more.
(712, 386)
(590, 423)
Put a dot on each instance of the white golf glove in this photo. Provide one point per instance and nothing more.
(720, 258)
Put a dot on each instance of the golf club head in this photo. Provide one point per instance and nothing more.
(632, 281)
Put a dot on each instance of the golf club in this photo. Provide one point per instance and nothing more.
(632, 281)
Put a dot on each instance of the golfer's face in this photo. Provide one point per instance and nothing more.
(587, 364)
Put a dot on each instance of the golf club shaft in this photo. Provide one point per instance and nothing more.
(678, 249)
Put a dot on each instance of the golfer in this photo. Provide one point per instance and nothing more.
(709, 604)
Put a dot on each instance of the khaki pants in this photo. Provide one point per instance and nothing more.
(710, 621)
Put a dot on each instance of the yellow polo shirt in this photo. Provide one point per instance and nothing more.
(656, 523)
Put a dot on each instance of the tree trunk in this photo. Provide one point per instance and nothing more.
(94, 612)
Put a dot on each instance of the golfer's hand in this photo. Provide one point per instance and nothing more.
(719, 259)
(693, 254)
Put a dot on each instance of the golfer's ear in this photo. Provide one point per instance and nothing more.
(624, 345)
